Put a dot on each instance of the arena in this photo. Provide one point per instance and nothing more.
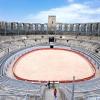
(68, 57)
(35, 66)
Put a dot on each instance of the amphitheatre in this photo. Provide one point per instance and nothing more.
(32, 54)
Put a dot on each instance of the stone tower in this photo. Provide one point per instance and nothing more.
(51, 24)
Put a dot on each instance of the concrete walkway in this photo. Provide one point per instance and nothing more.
(49, 95)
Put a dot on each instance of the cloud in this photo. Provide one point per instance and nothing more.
(73, 13)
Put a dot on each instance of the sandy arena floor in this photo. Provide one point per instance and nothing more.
(52, 65)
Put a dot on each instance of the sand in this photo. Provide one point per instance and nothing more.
(52, 65)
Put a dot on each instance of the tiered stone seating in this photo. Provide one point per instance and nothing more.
(82, 44)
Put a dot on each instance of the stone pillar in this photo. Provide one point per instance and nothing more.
(5, 28)
(39, 27)
(95, 28)
(57, 27)
(8, 26)
(3, 25)
(60, 27)
(85, 29)
(63, 27)
(22, 28)
(71, 28)
(18, 29)
(12, 28)
(89, 29)
(45, 27)
(77, 28)
(0, 25)
(0, 29)
(66, 27)
(36, 27)
(30, 28)
(98, 29)
(74, 28)
(42, 27)
(80, 28)
(96, 33)
(27, 27)
(33, 27)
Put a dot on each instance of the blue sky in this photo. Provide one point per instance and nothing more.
(37, 11)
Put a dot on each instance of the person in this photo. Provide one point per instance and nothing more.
(48, 85)
(55, 92)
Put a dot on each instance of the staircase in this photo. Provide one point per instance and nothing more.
(49, 95)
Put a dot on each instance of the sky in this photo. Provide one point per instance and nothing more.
(37, 11)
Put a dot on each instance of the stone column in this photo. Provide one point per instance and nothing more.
(33, 27)
(45, 28)
(18, 29)
(42, 27)
(95, 29)
(71, 28)
(98, 29)
(74, 28)
(66, 27)
(30, 28)
(63, 27)
(86, 28)
(57, 27)
(80, 28)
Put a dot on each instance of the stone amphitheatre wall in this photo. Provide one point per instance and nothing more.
(15, 28)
